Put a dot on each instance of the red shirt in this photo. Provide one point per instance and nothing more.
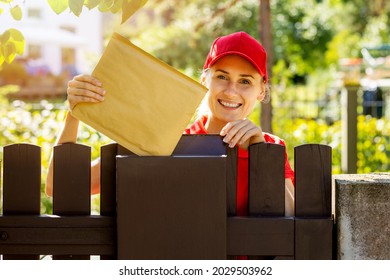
(198, 127)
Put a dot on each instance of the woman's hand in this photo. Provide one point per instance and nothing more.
(242, 133)
(84, 88)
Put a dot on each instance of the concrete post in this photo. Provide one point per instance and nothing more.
(362, 207)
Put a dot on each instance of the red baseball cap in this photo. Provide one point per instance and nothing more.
(242, 44)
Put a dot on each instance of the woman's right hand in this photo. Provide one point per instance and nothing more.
(84, 88)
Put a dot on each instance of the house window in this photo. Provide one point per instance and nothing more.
(68, 28)
(34, 13)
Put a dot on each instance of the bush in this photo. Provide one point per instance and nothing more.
(373, 147)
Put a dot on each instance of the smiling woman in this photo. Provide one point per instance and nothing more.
(236, 77)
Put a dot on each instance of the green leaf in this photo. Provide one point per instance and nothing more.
(19, 47)
(109, 3)
(58, 6)
(76, 6)
(9, 52)
(16, 35)
(105, 5)
(16, 12)
(5, 37)
(90, 4)
(12, 43)
(129, 7)
(117, 6)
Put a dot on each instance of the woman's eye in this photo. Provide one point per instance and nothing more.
(222, 77)
(246, 82)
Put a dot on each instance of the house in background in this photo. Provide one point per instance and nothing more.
(57, 46)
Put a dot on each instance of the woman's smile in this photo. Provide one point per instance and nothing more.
(229, 104)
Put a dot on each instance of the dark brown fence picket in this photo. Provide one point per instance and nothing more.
(108, 157)
(22, 179)
(313, 199)
(266, 179)
(108, 185)
(72, 184)
(313, 180)
(21, 186)
(107, 180)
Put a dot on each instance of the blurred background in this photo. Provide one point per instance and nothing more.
(317, 49)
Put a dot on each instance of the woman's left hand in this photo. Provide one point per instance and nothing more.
(242, 133)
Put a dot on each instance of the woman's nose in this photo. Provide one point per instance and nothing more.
(231, 89)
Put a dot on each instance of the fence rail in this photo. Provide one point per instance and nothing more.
(177, 207)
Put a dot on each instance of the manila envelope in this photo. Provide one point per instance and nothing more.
(148, 103)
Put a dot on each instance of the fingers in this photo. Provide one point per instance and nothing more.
(233, 132)
(84, 88)
(242, 133)
(87, 78)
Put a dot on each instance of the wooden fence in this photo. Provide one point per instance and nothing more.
(177, 207)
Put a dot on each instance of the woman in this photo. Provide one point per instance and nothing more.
(236, 77)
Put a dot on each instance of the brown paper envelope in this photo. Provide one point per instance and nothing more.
(147, 105)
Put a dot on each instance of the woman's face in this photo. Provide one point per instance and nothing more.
(234, 86)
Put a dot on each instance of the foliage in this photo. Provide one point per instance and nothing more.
(11, 44)
(302, 30)
(360, 12)
(373, 145)
(12, 41)
(299, 126)
(128, 7)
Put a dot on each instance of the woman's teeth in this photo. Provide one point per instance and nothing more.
(230, 105)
